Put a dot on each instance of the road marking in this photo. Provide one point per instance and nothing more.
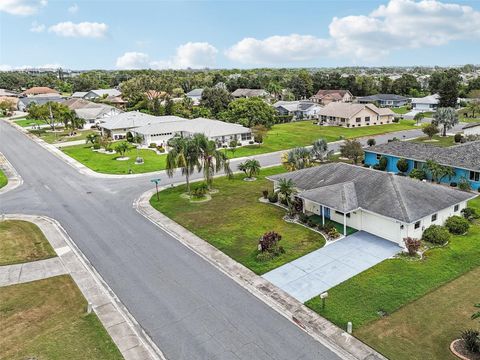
(47, 187)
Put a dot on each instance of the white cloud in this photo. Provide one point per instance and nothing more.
(36, 27)
(400, 24)
(21, 7)
(133, 60)
(189, 55)
(5, 67)
(83, 29)
(279, 49)
(73, 9)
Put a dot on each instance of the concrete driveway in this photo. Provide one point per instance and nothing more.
(324, 268)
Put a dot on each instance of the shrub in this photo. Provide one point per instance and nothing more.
(333, 233)
(457, 225)
(152, 145)
(251, 142)
(464, 185)
(371, 142)
(200, 191)
(96, 146)
(453, 184)
(418, 174)
(265, 194)
(469, 213)
(396, 120)
(273, 198)
(311, 223)
(430, 130)
(303, 218)
(269, 243)
(471, 340)
(161, 149)
(382, 164)
(129, 137)
(436, 234)
(402, 165)
(412, 245)
(458, 137)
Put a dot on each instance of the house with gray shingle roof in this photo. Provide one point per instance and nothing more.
(463, 158)
(389, 206)
(384, 100)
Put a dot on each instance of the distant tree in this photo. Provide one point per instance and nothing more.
(448, 93)
(473, 107)
(352, 149)
(371, 142)
(430, 130)
(250, 167)
(286, 188)
(320, 149)
(6, 107)
(249, 113)
(418, 117)
(215, 99)
(91, 138)
(446, 117)
(183, 154)
(259, 133)
(405, 85)
(274, 88)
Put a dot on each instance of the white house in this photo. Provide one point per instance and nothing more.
(426, 103)
(195, 95)
(389, 206)
(355, 115)
(92, 113)
(220, 132)
(101, 93)
(302, 109)
(117, 127)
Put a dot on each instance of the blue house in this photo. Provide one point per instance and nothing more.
(464, 158)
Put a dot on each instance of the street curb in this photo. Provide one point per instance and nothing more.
(14, 178)
(126, 333)
(328, 334)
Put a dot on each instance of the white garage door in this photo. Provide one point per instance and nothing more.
(382, 227)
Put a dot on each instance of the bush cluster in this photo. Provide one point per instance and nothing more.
(269, 247)
(436, 234)
(457, 225)
(412, 245)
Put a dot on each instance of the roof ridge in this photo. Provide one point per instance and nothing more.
(393, 180)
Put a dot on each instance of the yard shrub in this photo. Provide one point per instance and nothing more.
(161, 149)
(382, 164)
(418, 174)
(265, 194)
(371, 142)
(470, 214)
(269, 247)
(471, 340)
(457, 225)
(251, 142)
(453, 184)
(129, 137)
(457, 138)
(333, 233)
(152, 145)
(396, 119)
(200, 191)
(303, 218)
(273, 198)
(412, 245)
(464, 185)
(436, 234)
(96, 146)
(311, 223)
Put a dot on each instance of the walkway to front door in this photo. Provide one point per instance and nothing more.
(324, 268)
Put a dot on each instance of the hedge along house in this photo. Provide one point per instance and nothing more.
(464, 158)
(383, 204)
(220, 132)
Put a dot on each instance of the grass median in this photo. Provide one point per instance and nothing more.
(3, 179)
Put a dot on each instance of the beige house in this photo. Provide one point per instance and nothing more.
(355, 115)
(325, 97)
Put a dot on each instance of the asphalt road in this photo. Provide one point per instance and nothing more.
(189, 308)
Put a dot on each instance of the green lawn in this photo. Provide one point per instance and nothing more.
(396, 282)
(3, 179)
(425, 328)
(47, 319)
(106, 163)
(467, 119)
(22, 241)
(303, 133)
(28, 122)
(443, 141)
(63, 135)
(234, 220)
(401, 110)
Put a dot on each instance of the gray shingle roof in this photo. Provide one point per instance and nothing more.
(345, 188)
(249, 93)
(195, 92)
(465, 156)
(134, 119)
(384, 97)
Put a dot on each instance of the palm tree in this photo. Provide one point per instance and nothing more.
(437, 171)
(446, 117)
(250, 167)
(183, 154)
(211, 159)
(320, 149)
(473, 107)
(122, 148)
(286, 188)
(297, 158)
(91, 138)
(418, 117)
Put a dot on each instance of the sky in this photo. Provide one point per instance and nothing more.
(120, 34)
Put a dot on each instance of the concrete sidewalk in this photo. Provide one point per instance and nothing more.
(14, 179)
(31, 271)
(328, 334)
(130, 339)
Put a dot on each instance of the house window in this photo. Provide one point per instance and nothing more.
(358, 119)
(474, 176)
(455, 208)
(367, 118)
(434, 217)
(341, 213)
(417, 224)
(246, 136)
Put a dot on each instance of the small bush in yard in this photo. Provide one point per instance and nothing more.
(457, 225)
(436, 234)
(471, 340)
(311, 223)
(152, 145)
(457, 138)
(273, 198)
(303, 218)
(269, 247)
(200, 191)
(469, 213)
(96, 146)
(412, 245)
(265, 194)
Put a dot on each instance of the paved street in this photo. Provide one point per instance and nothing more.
(189, 308)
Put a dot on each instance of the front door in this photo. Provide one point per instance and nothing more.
(327, 212)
